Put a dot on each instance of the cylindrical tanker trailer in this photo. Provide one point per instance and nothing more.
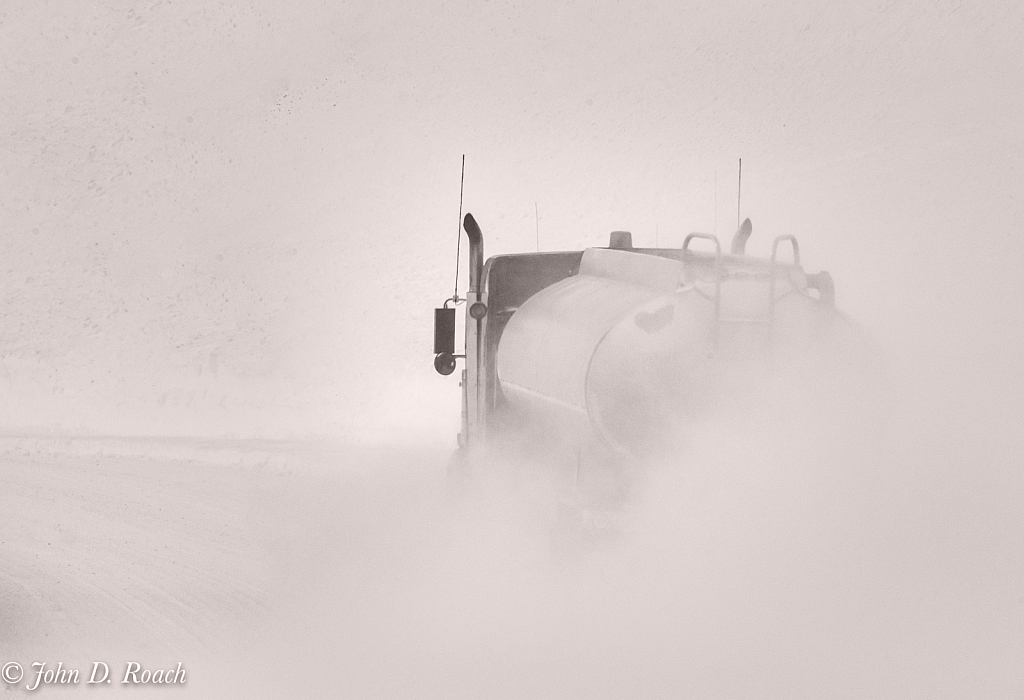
(600, 354)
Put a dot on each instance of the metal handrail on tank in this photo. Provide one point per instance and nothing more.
(771, 277)
(718, 276)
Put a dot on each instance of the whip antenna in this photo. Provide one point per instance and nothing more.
(739, 186)
(536, 213)
(458, 230)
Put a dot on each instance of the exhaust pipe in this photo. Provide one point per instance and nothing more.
(739, 239)
(476, 252)
(477, 308)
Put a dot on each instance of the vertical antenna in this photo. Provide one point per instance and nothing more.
(536, 214)
(458, 230)
(739, 189)
(656, 243)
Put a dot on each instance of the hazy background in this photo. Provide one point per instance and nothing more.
(233, 219)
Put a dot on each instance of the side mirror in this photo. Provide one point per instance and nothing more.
(444, 341)
(444, 331)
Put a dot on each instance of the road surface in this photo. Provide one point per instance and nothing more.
(803, 571)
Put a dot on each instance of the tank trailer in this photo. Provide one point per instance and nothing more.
(593, 356)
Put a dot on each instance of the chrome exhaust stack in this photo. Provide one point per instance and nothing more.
(739, 239)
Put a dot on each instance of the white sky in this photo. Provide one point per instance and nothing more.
(276, 184)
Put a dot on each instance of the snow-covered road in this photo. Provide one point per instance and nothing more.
(122, 558)
(813, 569)
(126, 551)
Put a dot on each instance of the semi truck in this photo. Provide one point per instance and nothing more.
(590, 361)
